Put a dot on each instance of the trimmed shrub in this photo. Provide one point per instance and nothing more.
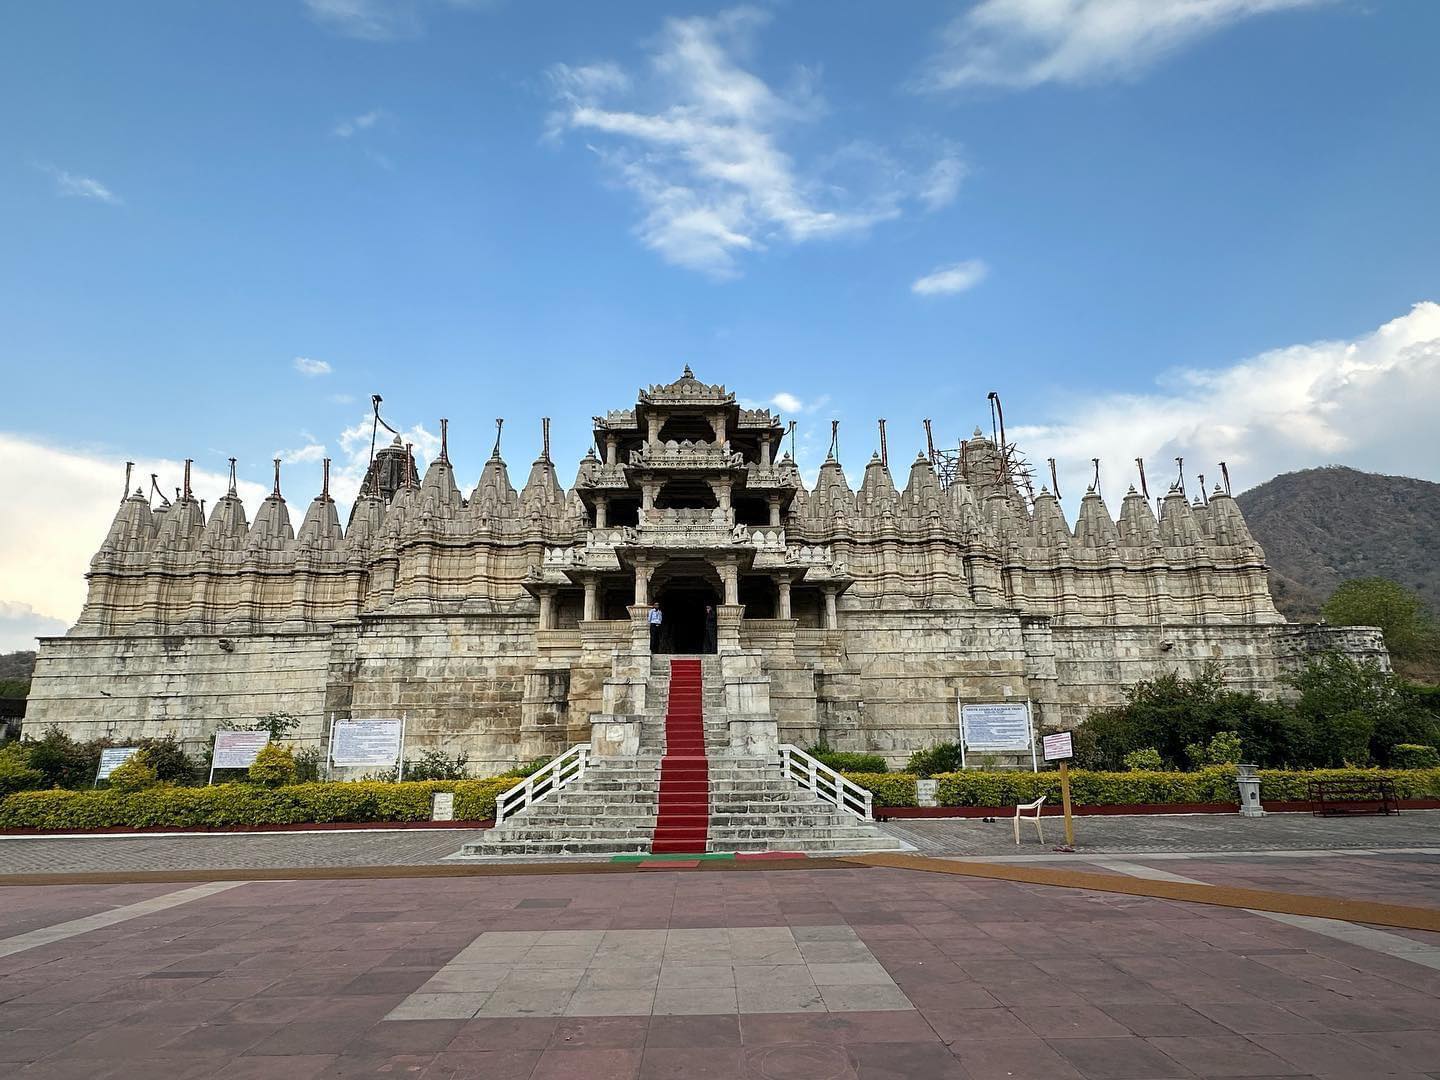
(933, 760)
(15, 771)
(888, 789)
(135, 773)
(1147, 758)
(1414, 756)
(849, 761)
(246, 804)
(274, 766)
(434, 764)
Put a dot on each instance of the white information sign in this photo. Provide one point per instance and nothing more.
(1004, 726)
(1059, 747)
(442, 806)
(237, 749)
(112, 757)
(366, 742)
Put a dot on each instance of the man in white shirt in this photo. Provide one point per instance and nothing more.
(655, 620)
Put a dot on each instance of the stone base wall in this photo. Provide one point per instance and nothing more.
(489, 685)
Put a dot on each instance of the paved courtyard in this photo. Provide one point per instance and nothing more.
(785, 974)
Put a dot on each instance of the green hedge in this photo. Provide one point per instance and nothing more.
(888, 789)
(976, 787)
(246, 804)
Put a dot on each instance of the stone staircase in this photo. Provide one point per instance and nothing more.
(614, 807)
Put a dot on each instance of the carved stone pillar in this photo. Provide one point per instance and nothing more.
(639, 629)
(652, 428)
(765, 449)
(832, 614)
(592, 599)
(721, 488)
(612, 450)
(717, 421)
(648, 492)
(774, 501)
(602, 507)
(730, 577)
(727, 627)
(643, 570)
(782, 597)
(547, 610)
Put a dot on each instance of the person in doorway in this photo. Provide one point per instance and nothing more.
(656, 619)
(709, 628)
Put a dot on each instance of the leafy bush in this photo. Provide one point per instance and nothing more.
(135, 773)
(1353, 712)
(888, 789)
(307, 764)
(1286, 785)
(62, 761)
(15, 771)
(169, 760)
(1223, 749)
(246, 804)
(848, 760)
(1414, 756)
(435, 764)
(274, 766)
(528, 768)
(1145, 759)
(933, 760)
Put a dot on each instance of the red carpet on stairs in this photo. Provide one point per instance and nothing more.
(682, 823)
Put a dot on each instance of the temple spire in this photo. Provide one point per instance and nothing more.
(545, 434)
(188, 462)
(325, 480)
(129, 468)
(276, 491)
(232, 490)
(499, 426)
(445, 440)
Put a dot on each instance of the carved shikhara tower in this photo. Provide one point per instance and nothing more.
(502, 622)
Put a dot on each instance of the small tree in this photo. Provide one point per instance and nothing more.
(135, 773)
(1144, 759)
(1410, 631)
(274, 766)
(1354, 712)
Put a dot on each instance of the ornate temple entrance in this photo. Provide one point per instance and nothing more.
(684, 587)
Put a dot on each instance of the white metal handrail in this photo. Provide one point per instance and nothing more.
(569, 766)
(825, 782)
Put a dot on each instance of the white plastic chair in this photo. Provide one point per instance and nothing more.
(1040, 831)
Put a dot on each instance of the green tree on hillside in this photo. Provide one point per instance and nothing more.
(1410, 632)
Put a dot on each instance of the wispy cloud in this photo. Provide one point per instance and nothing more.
(1018, 44)
(356, 124)
(74, 186)
(1369, 402)
(953, 278)
(699, 142)
(341, 399)
(367, 20)
(311, 368)
(21, 624)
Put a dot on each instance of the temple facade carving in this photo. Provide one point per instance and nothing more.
(501, 621)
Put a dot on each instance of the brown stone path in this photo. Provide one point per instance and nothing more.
(1000, 979)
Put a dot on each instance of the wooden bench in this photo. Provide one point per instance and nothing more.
(1332, 798)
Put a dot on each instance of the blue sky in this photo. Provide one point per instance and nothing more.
(1196, 227)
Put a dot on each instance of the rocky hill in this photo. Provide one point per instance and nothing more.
(1320, 527)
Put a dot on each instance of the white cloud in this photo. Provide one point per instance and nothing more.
(699, 142)
(308, 367)
(1019, 44)
(954, 278)
(356, 124)
(59, 510)
(21, 624)
(341, 399)
(1369, 402)
(74, 186)
(349, 469)
(367, 20)
(311, 451)
(788, 402)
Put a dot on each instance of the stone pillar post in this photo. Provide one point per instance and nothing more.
(643, 571)
(602, 507)
(717, 421)
(612, 450)
(774, 501)
(639, 629)
(730, 576)
(652, 428)
(721, 488)
(648, 492)
(592, 599)
(832, 615)
(547, 610)
(782, 597)
(765, 449)
(727, 627)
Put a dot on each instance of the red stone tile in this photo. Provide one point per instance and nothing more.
(693, 1031)
(680, 1063)
(599, 1032)
(1221, 1055)
(486, 1064)
(504, 1033)
(271, 1067)
(1013, 1059)
(905, 1061)
(1116, 1059)
(612, 1064)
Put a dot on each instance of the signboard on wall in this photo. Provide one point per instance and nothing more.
(111, 758)
(1002, 726)
(237, 749)
(356, 743)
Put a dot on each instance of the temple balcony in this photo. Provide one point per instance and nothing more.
(607, 478)
(686, 455)
(767, 478)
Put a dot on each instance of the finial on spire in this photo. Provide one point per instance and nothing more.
(499, 425)
(1054, 480)
(276, 490)
(232, 477)
(129, 468)
(155, 489)
(1180, 479)
(688, 374)
(929, 443)
(187, 476)
(545, 435)
(1204, 499)
(1144, 487)
(325, 482)
(445, 440)
(202, 508)
(834, 439)
(410, 479)
(884, 448)
(791, 432)
(1225, 475)
(1095, 484)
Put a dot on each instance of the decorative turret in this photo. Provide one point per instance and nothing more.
(791, 472)
(272, 530)
(1178, 527)
(1228, 523)
(439, 495)
(391, 469)
(184, 524)
(923, 498)
(1093, 526)
(832, 496)
(1048, 528)
(542, 495)
(228, 527)
(321, 527)
(133, 528)
(877, 497)
(1137, 526)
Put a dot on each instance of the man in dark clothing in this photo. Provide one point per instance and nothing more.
(655, 620)
(709, 628)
